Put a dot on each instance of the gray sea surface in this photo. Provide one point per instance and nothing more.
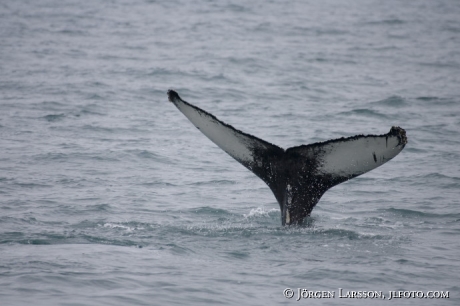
(110, 196)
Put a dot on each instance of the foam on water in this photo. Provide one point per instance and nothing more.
(261, 212)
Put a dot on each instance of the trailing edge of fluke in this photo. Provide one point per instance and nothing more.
(300, 175)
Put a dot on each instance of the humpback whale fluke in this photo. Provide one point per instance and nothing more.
(300, 175)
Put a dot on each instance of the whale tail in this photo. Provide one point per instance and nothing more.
(298, 176)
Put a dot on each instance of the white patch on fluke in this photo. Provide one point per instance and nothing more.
(289, 194)
(357, 156)
(235, 144)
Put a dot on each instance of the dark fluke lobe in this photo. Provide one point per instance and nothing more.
(172, 95)
(298, 176)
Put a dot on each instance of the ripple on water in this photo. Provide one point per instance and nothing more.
(364, 112)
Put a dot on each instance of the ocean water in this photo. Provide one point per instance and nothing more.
(109, 196)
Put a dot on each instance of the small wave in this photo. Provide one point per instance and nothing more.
(350, 234)
(94, 96)
(210, 211)
(50, 105)
(452, 29)
(238, 254)
(176, 249)
(212, 182)
(441, 180)
(89, 110)
(125, 227)
(393, 101)
(158, 183)
(331, 31)
(163, 72)
(84, 238)
(99, 129)
(33, 185)
(238, 8)
(427, 98)
(72, 32)
(392, 21)
(213, 229)
(151, 155)
(46, 238)
(96, 84)
(147, 154)
(409, 213)
(365, 112)
(54, 117)
(438, 176)
(415, 150)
